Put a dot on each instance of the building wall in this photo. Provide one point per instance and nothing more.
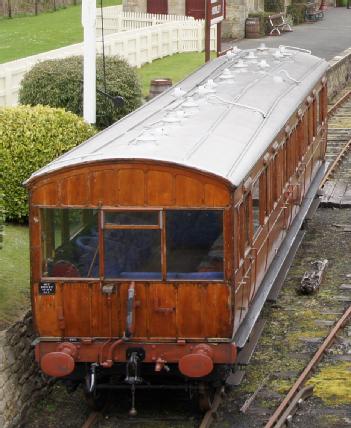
(176, 7)
(135, 5)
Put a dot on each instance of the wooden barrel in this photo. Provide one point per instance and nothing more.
(252, 28)
(157, 86)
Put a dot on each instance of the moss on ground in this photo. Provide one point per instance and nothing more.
(333, 384)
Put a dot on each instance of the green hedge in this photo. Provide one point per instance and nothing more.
(297, 11)
(30, 137)
(58, 83)
(2, 218)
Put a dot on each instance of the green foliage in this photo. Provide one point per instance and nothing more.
(58, 83)
(2, 218)
(30, 137)
(265, 27)
(297, 11)
(274, 5)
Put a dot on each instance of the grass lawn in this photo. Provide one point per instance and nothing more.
(14, 274)
(176, 67)
(29, 35)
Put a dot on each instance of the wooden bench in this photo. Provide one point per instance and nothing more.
(313, 13)
(278, 24)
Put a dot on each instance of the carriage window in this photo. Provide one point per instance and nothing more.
(70, 243)
(132, 245)
(137, 218)
(256, 205)
(318, 110)
(194, 244)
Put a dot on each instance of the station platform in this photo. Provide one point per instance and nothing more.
(324, 38)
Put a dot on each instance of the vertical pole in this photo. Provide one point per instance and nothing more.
(219, 38)
(208, 31)
(89, 85)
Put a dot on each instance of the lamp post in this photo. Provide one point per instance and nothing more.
(89, 79)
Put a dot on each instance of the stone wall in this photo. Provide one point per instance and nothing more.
(237, 12)
(21, 382)
(340, 72)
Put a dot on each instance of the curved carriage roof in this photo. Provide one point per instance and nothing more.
(229, 113)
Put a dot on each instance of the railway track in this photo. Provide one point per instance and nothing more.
(335, 183)
(96, 419)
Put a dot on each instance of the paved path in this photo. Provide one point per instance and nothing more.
(324, 38)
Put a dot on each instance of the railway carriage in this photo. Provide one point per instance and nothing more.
(155, 244)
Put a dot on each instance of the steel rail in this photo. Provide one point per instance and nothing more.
(273, 421)
(332, 167)
(92, 419)
(210, 415)
(339, 102)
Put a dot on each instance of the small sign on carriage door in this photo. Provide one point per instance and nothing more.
(47, 288)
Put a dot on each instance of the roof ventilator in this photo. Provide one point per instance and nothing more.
(178, 93)
(231, 53)
(146, 137)
(251, 56)
(208, 88)
(263, 64)
(262, 47)
(240, 64)
(191, 106)
(227, 75)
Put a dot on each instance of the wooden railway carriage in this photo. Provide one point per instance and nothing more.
(155, 243)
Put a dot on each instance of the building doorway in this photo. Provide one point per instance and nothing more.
(157, 6)
(195, 8)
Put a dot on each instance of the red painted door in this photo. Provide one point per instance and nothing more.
(157, 6)
(196, 8)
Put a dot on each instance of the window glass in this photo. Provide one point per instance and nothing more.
(137, 218)
(256, 205)
(132, 254)
(70, 243)
(194, 244)
(318, 112)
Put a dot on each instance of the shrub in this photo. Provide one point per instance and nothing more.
(30, 137)
(274, 5)
(297, 11)
(59, 83)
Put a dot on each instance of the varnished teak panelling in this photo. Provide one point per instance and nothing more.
(131, 185)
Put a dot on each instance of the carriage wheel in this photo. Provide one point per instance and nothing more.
(205, 396)
(97, 399)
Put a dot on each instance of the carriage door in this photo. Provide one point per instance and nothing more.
(157, 6)
(195, 8)
(247, 263)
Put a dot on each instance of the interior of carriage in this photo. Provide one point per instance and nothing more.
(136, 244)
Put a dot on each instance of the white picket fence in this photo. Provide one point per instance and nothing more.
(138, 46)
(115, 20)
